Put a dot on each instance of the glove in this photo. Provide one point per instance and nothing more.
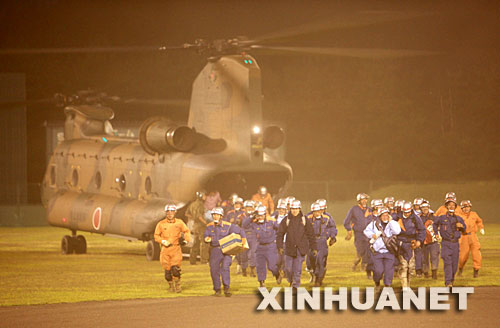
(481, 231)
(459, 225)
(208, 239)
(183, 242)
(349, 235)
(332, 241)
(280, 250)
(415, 244)
(439, 238)
(165, 243)
(314, 253)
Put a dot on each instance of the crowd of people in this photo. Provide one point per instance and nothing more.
(391, 237)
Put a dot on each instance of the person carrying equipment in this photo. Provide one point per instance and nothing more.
(357, 220)
(431, 242)
(469, 242)
(220, 262)
(169, 234)
(450, 226)
(246, 219)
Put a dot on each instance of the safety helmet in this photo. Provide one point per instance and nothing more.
(217, 210)
(418, 201)
(170, 207)
(388, 199)
(407, 207)
(322, 203)
(239, 200)
(261, 210)
(233, 197)
(315, 207)
(262, 190)
(465, 203)
(450, 194)
(383, 210)
(296, 204)
(399, 203)
(256, 203)
(249, 203)
(450, 199)
(201, 193)
(289, 200)
(361, 196)
(377, 203)
(282, 203)
(425, 203)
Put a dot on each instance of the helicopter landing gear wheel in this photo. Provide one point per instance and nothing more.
(152, 251)
(67, 245)
(80, 244)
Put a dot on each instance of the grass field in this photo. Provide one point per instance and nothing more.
(33, 271)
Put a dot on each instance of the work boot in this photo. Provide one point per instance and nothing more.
(368, 274)
(459, 274)
(262, 284)
(171, 286)
(434, 274)
(252, 271)
(355, 264)
(311, 273)
(217, 293)
(278, 277)
(378, 288)
(227, 293)
(426, 274)
(476, 273)
(317, 282)
(244, 272)
(177, 285)
(238, 269)
(419, 273)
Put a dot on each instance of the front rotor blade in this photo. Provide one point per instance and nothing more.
(349, 52)
(158, 102)
(38, 51)
(341, 21)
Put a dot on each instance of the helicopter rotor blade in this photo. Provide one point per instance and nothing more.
(341, 21)
(84, 50)
(348, 52)
(4, 105)
(158, 102)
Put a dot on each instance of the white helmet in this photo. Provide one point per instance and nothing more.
(361, 196)
(407, 207)
(322, 203)
(399, 203)
(289, 200)
(249, 203)
(450, 199)
(383, 210)
(233, 197)
(388, 199)
(315, 207)
(261, 210)
(465, 203)
(170, 207)
(377, 203)
(450, 194)
(239, 200)
(262, 190)
(425, 203)
(296, 204)
(418, 201)
(282, 204)
(217, 210)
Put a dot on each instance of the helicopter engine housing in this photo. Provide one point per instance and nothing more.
(160, 135)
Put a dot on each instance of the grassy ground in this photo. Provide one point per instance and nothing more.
(32, 270)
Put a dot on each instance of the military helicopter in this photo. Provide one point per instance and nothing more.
(98, 182)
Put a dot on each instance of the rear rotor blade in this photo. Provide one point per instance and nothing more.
(37, 51)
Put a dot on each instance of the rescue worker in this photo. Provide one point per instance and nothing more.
(469, 242)
(168, 233)
(416, 205)
(325, 232)
(228, 204)
(232, 217)
(412, 236)
(280, 216)
(197, 224)
(419, 252)
(383, 259)
(389, 203)
(376, 205)
(246, 219)
(431, 245)
(450, 227)
(289, 201)
(299, 241)
(265, 228)
(442, 210)
(264, 198)
(357, 220)
(398, 205)
(220, 262)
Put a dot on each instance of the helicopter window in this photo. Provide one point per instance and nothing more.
(98, 180)
(122, 182)
(52, 175)
(147, 185)
(74, 178)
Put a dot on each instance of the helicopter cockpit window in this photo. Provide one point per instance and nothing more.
(74, 178)
(98, 180)
(52, 175)
(147, 185)
(122, 182)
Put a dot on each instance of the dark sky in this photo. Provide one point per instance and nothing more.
(419, 118)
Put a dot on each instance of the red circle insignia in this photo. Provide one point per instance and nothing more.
(96, 218)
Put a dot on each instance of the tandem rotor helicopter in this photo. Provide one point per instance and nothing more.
(98, 182)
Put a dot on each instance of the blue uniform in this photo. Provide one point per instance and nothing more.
(232, 216)
(431, 248)
(357, 219)
(324, 228)
(281, 257)
(219, 262)
(266, 252)
(246, 224)
(446, 226)
(383, 260)
(412, 228)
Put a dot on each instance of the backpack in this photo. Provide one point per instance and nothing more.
(391, 243)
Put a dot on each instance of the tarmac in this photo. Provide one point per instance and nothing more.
(240, 311)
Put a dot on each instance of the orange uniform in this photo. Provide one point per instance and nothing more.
(469, 242)
(267, 201)
(442, 211)
(171, 231)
